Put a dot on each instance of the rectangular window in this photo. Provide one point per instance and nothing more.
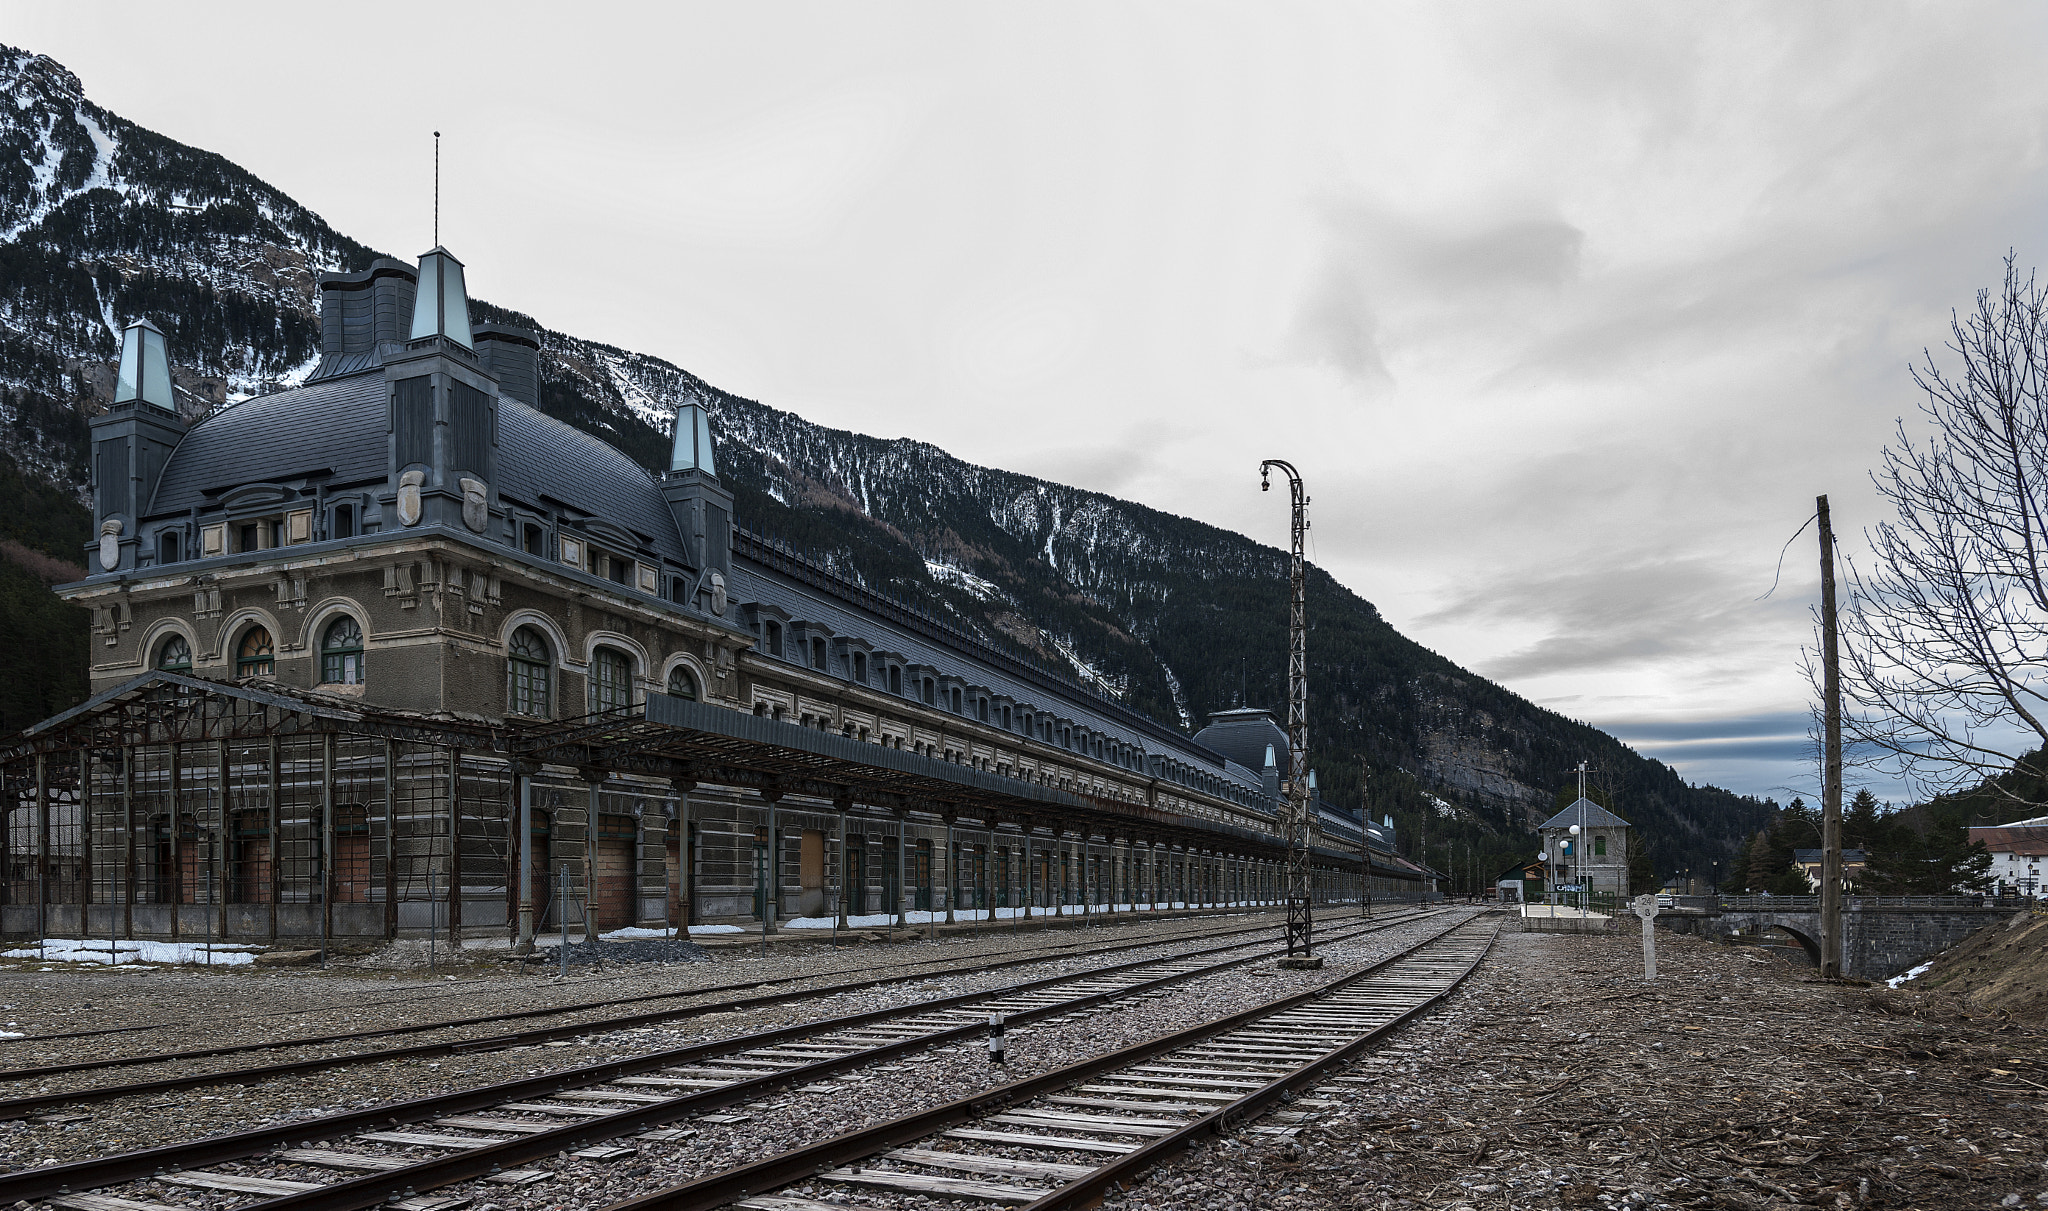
(531, 539)
(344, 521)
(167, 547)
(245, 537)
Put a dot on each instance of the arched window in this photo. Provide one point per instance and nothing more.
(341, 653)
(174, 655)
(256, 656)
(611, 681)
(531, 672)
(681, 684)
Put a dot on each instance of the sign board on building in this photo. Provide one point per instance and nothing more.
(1568, 887)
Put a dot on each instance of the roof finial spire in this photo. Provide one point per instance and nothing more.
(437, 189)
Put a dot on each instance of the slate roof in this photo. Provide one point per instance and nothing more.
(1242, 736)
(540, 456)
(337, 426)
(1595, 816)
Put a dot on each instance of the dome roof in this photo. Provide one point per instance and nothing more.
(335, 430)
(1242, 735)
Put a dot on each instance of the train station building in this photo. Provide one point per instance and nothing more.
(394, 650)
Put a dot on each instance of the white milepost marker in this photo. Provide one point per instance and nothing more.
(1646, 907)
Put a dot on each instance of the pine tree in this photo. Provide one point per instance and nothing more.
(1940, 861)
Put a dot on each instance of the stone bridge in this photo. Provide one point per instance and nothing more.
(1881, 935)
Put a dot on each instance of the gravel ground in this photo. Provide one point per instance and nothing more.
(854, 1100)
(869, 1096)
(188, 1008)
(1556, 1078)
(139, 1122)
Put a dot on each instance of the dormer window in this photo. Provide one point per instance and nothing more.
(771, 635)
(530, 539)
(896, 680)
(817, 653)
(956, 700)
(167, 547)
(344, 521)
(860, 667)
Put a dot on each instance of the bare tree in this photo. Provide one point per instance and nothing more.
(1945, 640)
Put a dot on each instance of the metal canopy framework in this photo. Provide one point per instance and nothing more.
(683, 741)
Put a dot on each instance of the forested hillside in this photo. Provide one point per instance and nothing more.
(102, 221)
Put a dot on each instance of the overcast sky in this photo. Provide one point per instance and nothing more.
(1566, 312)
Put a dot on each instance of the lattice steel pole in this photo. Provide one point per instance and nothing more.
(1297, 818)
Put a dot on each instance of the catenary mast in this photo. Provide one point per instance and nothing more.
(1298, 819)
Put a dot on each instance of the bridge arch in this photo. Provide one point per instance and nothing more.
(1807, 941)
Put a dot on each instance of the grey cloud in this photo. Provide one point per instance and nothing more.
(1614, 614)
(1374, 260)
(1729, 727)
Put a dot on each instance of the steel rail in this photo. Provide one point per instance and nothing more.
(473, 986)
(1119, 1173)
(773, 1173)
(480, 1162)
(17, 1107)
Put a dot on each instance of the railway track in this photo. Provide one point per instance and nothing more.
(474, 986)
(1066, 1138)
(578, 1109)
(25, 1106)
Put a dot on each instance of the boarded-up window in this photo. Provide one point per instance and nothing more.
(813, 859)
(110, 474)
(471, 430)
(412, 419)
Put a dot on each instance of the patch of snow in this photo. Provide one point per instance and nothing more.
(1443, 808)
(128, 950)
(946, 573)
(638, 398)
(1180, 698)
(104, 147)
(1089, 673)
(716, 929)
(1914, 974)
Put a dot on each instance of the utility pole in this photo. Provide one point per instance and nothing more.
(1297, 820)
(1831, 785)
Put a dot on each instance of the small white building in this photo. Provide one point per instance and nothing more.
(2019, 852)
(1586, 846)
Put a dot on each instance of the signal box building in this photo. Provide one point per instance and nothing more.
(395, 650)
(1586, 846)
